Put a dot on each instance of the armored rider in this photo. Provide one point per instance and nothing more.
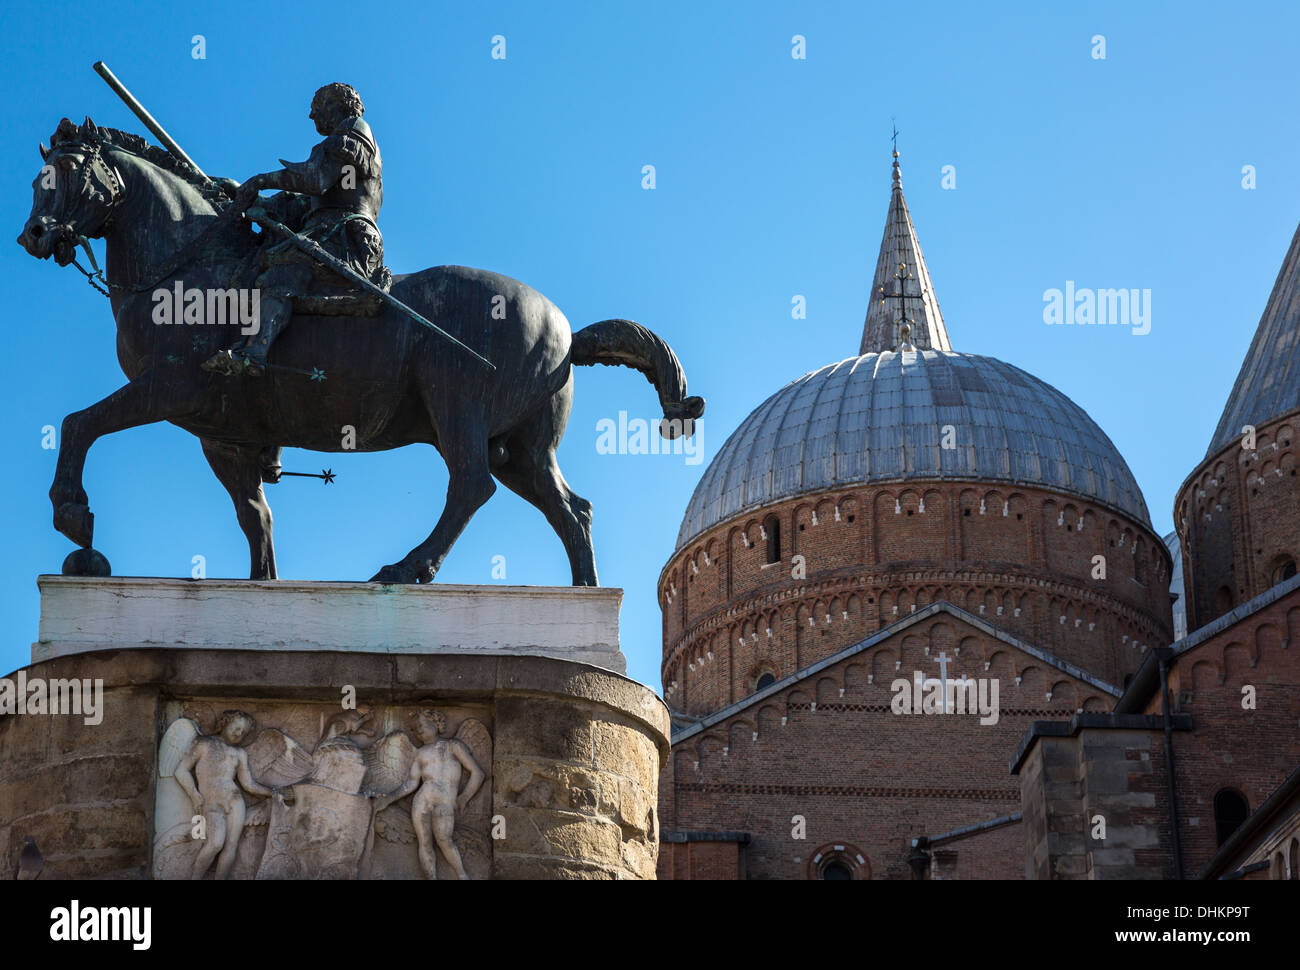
(343, 182)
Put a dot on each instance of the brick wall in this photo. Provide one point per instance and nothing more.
(1120, 772)
(827, 759)
(1238, 517)
(700, 858)
(1022, 558)
(1251, 751)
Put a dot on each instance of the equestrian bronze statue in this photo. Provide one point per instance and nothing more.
(474, 363)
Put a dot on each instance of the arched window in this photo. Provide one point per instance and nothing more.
(1223, 600)
(772, 526)
(1294, 852)
(1285, 570)
(765, 679)
(836, 870)
(1230, 810)
(839, 861)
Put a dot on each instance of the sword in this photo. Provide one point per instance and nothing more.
(318, 253)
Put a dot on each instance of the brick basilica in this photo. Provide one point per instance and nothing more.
(917, 517)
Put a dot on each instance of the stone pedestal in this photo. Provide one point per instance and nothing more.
(79, 614)
(343, 687)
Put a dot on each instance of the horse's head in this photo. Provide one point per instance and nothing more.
(74, 194)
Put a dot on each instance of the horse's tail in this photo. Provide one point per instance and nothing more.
(626, 344)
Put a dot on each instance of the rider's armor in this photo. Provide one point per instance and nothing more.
(343, 179)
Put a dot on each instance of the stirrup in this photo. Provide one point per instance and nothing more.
(231, 364)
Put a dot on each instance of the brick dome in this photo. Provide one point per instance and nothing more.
(881, 417)
(910, 512)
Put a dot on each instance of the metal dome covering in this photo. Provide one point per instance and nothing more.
(880, 417)
(1268, 384)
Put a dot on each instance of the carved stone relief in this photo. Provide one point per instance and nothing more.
(305, 791)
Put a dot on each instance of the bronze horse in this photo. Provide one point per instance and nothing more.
(386, 377)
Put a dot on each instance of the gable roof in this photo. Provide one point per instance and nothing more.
(880, 636)
(1146, 681)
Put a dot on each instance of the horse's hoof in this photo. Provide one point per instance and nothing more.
(396, 573)
(86, 562)
(76, 522)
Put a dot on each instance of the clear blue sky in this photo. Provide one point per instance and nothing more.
(773, 180)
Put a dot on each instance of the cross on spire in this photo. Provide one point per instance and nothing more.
(914, 321)
(902, 322)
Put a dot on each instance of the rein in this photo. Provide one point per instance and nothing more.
(181, 259)
(84, 243)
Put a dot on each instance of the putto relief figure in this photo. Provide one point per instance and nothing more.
(251, 802)
(214, 772)
(435, 772)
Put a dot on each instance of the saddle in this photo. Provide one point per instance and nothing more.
(330, 295)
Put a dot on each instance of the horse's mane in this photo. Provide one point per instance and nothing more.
(138, 146)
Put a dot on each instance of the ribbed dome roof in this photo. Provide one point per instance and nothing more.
(880, 417)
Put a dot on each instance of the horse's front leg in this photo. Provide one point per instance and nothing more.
(141, 402)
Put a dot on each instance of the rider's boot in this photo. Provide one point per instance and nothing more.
(248, 356)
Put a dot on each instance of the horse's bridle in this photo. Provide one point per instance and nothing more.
(98, 178)
(94, 167)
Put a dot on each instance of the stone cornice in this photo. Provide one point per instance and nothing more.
(858, 490)
(760, 599)
(1222, 455)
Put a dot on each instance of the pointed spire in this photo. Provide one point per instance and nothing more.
(904, 312)
(1268, 384)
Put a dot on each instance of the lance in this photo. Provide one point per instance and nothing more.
(318, 253)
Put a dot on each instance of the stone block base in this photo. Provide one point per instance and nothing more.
(569, 755)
